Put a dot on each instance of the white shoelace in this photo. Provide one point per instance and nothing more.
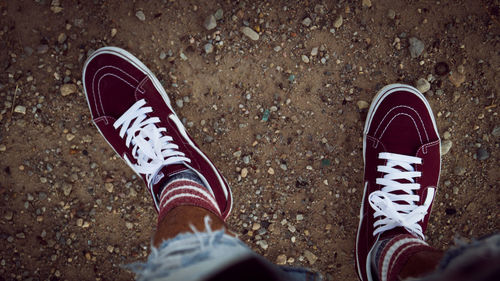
(152, 148)
(406, 213)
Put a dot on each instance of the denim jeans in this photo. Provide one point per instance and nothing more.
(200, 255)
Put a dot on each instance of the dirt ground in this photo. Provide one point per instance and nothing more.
(281, 117)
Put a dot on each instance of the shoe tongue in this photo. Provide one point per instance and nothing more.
(165, 173)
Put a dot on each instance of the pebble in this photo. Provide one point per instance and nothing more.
(482, 154)
(62, 38)
(246, 159)
(362, 104)
(210, 22)
(270, 171)
(496, 131)
(305, 59)
(20, 109)
(209, 48)
(140, 15)
(113, 32)
(457, 78)
(314, 51)
(391, 14)
(129, 225)
(250, 33)
(307, 21)
(179, 103)
(416, 47)
(281, 259)
(109, 187)
(255, 226)
(300, 217)
(68, 89)
(42, 49)
(459, 171)
(423, 85)
(163, 55)
(310, 257)
(446, 146)
(70, 137)
(338, 22)
(8, 215)
(244, 172)
(219, 14)
(20, 235)
(446, 135)
(277, 48)
(67, 189)
(110, 248)
(263, 244)
(3, 147)
(367, 3)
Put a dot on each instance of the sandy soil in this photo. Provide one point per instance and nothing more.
(291, 120)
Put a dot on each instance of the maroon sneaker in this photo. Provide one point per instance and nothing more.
(132, 111)
(401, 152)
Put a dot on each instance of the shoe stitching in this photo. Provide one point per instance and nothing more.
(427, 146)
(98, 90)
(416, 127)
(408, 107)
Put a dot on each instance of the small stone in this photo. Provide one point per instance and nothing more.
(183, 56)
(305, 59)
(210, 22)
(300, 217)
(70, 137)
(109, 187)
(250, 33)
(68, 89)
(416, 47)
(338, 22)
(20, 109)
(446, 146)
(457, 78)
(8, 215)
(209, 48)
(310, 257)
(277, 48)
(3, 147)
(110, 248)
(263, 244)
(129, 225)
(219, 14)
(314, 51)
(496, 131)
(255, 226)
(113, 32)
(163, 55)
(482, 154)
(21, 235)
(367, 3)
(67, 189)
(362, 104)
(140, 15)
(391, 14)
(62, 38)
(179, 103)
(446, 135)
(459, 171)
(42, 49)
(423, 85)
(246, 159)
(244, 172)
(281, 259)
(307, 21)
(270, 171)
(79, 222)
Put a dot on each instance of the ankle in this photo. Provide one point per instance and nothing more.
(180, 219)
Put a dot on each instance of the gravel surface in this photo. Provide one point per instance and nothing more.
(275, 92)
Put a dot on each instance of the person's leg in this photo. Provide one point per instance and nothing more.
(180, 219)
(401, 151)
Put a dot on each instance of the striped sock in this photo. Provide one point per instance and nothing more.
(392, 254)
(186, 188)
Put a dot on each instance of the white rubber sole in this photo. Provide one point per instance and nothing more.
(137, 63)
(377, 100)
